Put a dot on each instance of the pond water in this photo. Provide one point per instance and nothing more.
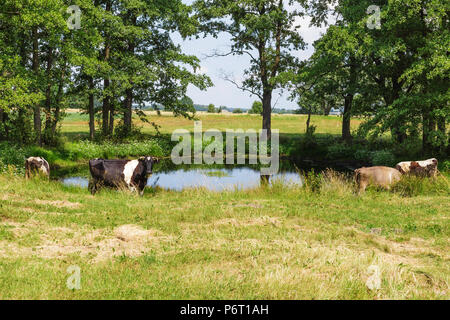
(168, 176)
(212, 179)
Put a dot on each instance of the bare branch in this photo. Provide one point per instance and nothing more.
(230, 78)
(216, 54)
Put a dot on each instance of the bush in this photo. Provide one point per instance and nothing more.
(445, 166)
(12, 155)
(313, 181)
(383, 158)
(340, 151)
(410, 186)
(363, 155)
(211, 108)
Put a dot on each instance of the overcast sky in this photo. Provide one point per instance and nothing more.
(223, 92)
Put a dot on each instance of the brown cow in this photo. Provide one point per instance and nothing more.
(426, 168)
(36, 165)
(378, 176)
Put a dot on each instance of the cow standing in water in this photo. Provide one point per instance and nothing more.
(36, 166)
(132, 174)
(426, 168)
(378, 176)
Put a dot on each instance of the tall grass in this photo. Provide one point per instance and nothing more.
(411, 186)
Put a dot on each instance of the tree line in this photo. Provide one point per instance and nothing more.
(120, 58)
(393, 73)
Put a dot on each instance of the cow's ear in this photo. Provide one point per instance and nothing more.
(155, 160)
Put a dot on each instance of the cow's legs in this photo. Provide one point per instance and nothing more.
(362, 187)
(93, 186)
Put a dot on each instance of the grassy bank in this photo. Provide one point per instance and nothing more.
(324, 145)
(316, 242)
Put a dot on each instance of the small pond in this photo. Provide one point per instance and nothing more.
(212, 179)
(216, 178)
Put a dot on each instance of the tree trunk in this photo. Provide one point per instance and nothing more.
(128, 103)
(267, 112)
(111, 118)
(58, 99)
(308, 121)
(37, 108)
(106, 98)
(442, 128)
(91, 109)
(327, 109)
(48, 97)
(346, 118)
(2, 131)
(428, 125)
(105, 108)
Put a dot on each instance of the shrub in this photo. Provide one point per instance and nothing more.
(211, 108)
(12, 154)
(445, 166)
(312, 181)
(383, 158)
(309, 141)
(363, 155)
(410, 186)
(339, 151)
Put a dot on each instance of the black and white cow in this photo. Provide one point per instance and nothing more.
(36, 166)
(132, 174)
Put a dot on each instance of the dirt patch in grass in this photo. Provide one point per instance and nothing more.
(96, 245)
(59, 203)
(258, 221)
(248, 205)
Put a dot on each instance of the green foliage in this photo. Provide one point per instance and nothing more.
(340, 150)
(383, 158)
(312, 181)
(237, 110)
(211, 108)
(122, 58)
(257, 108)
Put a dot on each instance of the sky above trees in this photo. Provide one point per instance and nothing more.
(223, 92)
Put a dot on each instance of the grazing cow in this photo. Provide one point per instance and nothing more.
(132, 174)
(36, 166)
(378, 176)
(426, 168)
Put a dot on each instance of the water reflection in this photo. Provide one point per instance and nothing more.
(212, 179)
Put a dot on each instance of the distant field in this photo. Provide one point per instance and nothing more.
(75, 124)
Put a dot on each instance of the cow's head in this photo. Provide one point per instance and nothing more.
(148, 163)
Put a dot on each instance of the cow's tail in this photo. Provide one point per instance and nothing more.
(357, 176)
(27, 170)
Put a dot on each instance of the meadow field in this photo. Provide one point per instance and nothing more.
(76, 124)
(320, 241)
